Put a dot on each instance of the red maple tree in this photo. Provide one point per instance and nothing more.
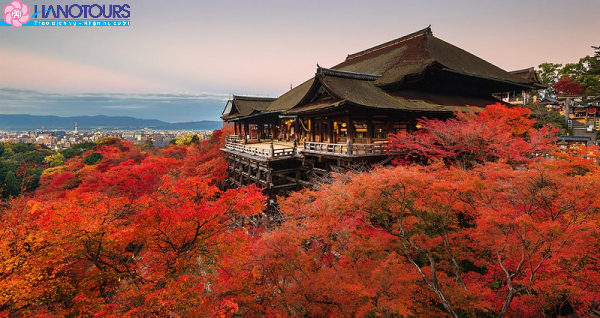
(567, 86)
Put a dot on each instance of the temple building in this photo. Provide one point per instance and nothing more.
(343, 115)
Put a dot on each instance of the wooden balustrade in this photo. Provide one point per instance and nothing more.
(345, 150)
(309, 147)
(268, 153)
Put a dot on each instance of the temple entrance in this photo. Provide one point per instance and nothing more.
(340, 131)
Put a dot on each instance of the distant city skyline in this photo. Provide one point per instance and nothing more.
(180, 61)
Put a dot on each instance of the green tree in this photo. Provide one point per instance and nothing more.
(595, 67)
(78, 149)
(544, 116)
(11, 185)
(574, 70)
(585, 72)
(92, 158)
(548, 73)
(148, 144)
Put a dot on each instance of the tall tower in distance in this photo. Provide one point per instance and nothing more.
(75, 127)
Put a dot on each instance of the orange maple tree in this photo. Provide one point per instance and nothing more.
(482, 230)
(130, 232)
(482, 216)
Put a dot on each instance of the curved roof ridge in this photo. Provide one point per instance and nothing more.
(426, 31)
(529, 69)
(346, 74)
(254, 98)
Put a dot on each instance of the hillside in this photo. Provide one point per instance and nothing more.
(31, 122)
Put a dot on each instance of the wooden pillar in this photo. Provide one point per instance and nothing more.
(312, 129)
(370, 130)
(305, 132)
(260, 131)
(320, 130)
(330, 130)
(350, 129)
(239, 170)
(269, 178)
(249, 174)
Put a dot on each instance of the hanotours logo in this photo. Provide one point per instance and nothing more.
(16, 14)
(95, 11)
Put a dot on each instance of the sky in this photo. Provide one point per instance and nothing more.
(181, 60)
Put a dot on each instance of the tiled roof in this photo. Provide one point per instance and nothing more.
(247, 105)
(374, 78)
(414, 54)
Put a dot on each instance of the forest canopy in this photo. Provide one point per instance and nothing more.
(479, 216)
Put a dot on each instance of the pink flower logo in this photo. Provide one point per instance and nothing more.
(16, 14)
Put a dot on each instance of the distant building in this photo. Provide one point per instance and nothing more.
(582, 120)
(524, 96)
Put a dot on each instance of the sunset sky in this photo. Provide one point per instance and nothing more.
(180, 60)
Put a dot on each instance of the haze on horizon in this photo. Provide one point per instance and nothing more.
(180, 61)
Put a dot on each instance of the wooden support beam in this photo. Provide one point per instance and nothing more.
(284, 171)
(269, 179)
(290, 179)
(284, 186)
(319, 170)
(306, 183)
(297, 177)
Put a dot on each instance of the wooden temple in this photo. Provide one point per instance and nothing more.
(344, 114)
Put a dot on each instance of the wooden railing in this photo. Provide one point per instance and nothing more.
(244, 139)
(234, 138)
(282, 152)
(267, 153)
(345, 150)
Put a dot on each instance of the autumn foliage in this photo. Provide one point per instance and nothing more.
(400, 240)
(567, 86)
(481, 216)
(496, 134)
(136, 233)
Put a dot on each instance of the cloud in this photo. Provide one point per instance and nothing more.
(170, 107)
(32, 69)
